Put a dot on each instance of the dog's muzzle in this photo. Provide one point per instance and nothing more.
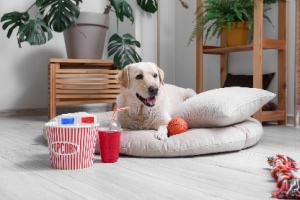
(147, 101)
(151, 100)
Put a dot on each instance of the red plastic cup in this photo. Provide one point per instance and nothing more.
(109, 141)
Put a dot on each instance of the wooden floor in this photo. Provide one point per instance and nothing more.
(25, 171)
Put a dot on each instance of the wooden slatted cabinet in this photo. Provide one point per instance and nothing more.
(259, 44)
(81, 81)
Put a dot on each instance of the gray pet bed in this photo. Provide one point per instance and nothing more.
(195, 141)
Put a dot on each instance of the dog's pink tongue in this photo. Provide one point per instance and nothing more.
(151, 101)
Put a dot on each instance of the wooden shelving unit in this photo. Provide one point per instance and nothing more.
(81, 81)
(259, 44)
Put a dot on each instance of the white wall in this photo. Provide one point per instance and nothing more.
(185, 56)
(23, 71)
(146, 33)
(291, 56)
(167, 39)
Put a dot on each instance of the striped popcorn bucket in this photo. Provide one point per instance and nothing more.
(71, 147)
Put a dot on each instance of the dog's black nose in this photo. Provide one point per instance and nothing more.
(153, 90)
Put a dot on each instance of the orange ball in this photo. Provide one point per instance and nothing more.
(177, 126)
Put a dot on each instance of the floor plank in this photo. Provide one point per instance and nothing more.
(19, 183)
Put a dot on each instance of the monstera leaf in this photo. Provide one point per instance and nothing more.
(61, 15)
(122, 8)
(35, 32)
(14, 20)
(123, 50)
(148, 5)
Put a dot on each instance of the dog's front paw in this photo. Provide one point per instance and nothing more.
(161, 133)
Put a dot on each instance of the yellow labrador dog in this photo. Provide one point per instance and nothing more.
(151, 101)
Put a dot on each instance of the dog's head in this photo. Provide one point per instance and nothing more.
(142, 80)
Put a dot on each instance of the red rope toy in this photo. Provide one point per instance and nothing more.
(284, 171)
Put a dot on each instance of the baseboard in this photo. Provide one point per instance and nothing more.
(290, 119)
(59, 110)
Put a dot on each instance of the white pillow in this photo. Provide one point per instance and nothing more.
(222, 107)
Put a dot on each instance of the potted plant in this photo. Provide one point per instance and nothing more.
(230, 16)
(60, 15)
(85, 39)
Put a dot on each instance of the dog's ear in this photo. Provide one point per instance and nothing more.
(123, 77)
(161, 75)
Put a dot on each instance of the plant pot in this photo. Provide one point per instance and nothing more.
(238, 34)
(86, 39)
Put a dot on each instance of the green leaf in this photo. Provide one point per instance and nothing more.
(35, 32)
(148, 5)
(39, 3)
(61, 15)
(14, 20)
(123, 50)
(122, 8)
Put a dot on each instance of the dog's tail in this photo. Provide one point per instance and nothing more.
(189, 93)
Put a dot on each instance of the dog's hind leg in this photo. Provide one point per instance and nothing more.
(189, 93)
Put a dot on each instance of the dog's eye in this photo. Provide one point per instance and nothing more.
(155, 75)
(140, 76)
